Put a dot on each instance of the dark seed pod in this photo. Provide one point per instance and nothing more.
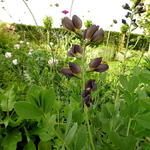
(77, 22)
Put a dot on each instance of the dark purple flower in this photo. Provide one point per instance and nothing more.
(87, 101)
(98, 66)
(124, 21)
(98, 36)
(77, 22)
(66, 72)
(65, 12)
(128, 14)
(126, 6)
(75, 51)
(67, 23)
(93, 34)
(137, 3)
(141, 10)
(90, 85)
(73, 25)
(72, 71)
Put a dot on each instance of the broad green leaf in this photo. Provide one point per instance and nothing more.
(11, 139)
(81, 137)
(30, 146)
(8, 100)
(69, 119)
(71, 134)
(144, 120)
(44, 146)
(42, 98)
(27, 110)
(116, 140)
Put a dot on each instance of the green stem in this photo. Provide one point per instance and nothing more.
(108, 38)
(88, 125)
(83, 66)
(128, 128)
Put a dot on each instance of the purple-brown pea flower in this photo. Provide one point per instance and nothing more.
(93, 34)
(137, 3)
(90, 86)
(75, 51)
(126, 6)
(72, 71)
(73, 25)
(128, 14)
(98, 65)
(124, 21)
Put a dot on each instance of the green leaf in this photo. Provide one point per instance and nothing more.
(81, 138)
(30, 146)
(144, 120)
(27, 110)
(42, 98)
(71, 134)
(11, 139)
(8, 100)
(44, 146)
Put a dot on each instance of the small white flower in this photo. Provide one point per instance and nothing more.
(15, 61)
(17, 46)
(27, 43)
(8, 55)
(51, 43)
(21, 42)
(30, 52)
(52, 62)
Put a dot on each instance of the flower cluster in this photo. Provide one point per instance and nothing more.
(73, 25)
(137, 9)
(91, 34)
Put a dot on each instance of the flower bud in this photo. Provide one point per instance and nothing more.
(98, 36)
(75, 69)
(67, 23)
(75, 51)
(126, 6)
(77, 22)
(90, 31)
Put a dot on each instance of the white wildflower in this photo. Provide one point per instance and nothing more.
(51, 43)
(30, 51)
(21, 42)
(27, 43)
(15, 61)
(8, 55)
(52, 62)
(17, 46)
